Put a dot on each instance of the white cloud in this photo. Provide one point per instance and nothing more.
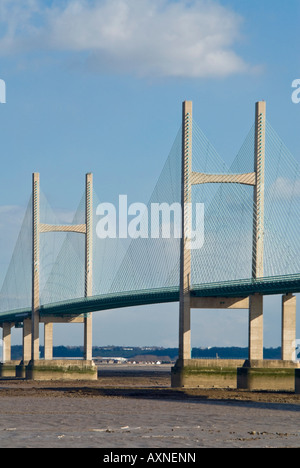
(285, 189)
(183, 38)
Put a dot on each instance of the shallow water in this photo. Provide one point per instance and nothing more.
(134, 407)
(112, 422)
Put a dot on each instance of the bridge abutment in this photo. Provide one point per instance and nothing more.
(61, 369)
(205, 373)
(267, 375)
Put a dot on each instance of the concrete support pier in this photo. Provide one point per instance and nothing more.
(268, 375)
(206, 373)
(88, 337)
(6, 341)
(256, 344)
(61, 369)
(26, 340)
(58, 369)
(7, 367)
(48, 341)
(276, 375)
(288, 330)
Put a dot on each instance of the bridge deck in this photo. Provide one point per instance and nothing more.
(238, 288)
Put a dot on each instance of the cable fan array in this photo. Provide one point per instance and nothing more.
(144, 263)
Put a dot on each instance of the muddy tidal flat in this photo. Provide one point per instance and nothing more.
(136, 408)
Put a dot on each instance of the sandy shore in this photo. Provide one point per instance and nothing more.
(132, 408)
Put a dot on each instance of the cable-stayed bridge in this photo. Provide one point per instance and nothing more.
(211, 236)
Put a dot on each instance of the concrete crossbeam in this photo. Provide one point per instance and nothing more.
(245, 179)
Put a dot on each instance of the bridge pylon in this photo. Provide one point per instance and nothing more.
(189, 178)
(256, 301)
(47, 368)
(195, 372)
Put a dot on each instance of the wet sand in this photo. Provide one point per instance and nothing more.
(136, 408)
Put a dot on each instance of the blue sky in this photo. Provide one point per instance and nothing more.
(95, 85)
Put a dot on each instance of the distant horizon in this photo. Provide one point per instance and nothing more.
(140, 354)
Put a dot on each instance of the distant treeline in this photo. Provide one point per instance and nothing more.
(131, 352)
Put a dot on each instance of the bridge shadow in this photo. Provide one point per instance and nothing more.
(282, 401)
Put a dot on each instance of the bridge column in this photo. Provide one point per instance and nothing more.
(26, 355)
(185, 252)
(88, 264)
(48, 341)
(256, 345)
(288, 331)
(6, 342)
(7, 367)
(26, 340)
(88, 342)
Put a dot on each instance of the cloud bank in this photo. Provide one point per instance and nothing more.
(156, 38)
